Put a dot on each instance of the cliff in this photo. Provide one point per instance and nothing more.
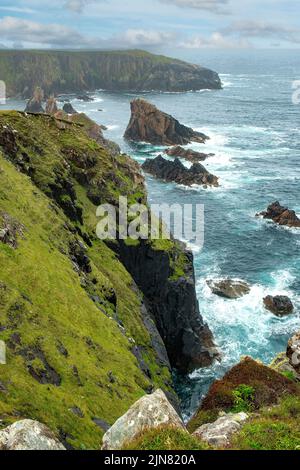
(83, 332)
(67, 72)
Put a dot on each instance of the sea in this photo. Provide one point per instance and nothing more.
(254, 129)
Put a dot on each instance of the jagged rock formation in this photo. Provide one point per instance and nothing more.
(151, 411)
(51, 106)
(229, 288)
(280, 305)
(219, 433)
(28, 435)
(74, 72)
(176, 172)
(68, 108)
(172, 301)
(35, 104)
(149, 124)
(281, 215)
(188, 154)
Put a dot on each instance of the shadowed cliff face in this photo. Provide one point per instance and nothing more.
(172, 301)
(67, 72)
(149, 124)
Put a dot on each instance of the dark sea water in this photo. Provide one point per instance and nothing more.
(255, 135)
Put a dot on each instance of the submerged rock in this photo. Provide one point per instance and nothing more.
(293, 352)
(68, 108)
(219, 433)
(176, 172)
(85, 98)
(188, 154)
(281, 215)
(150, 411)
(149, 124)
(229, 288)
(280, 305)
(35, 104)
(28, 435)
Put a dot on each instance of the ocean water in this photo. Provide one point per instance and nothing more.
(255, 135)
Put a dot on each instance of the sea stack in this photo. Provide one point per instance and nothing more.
(149, 124)
(280, 215)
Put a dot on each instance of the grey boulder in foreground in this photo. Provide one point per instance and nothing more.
(28, 435)
(219, 433)
(150, 411)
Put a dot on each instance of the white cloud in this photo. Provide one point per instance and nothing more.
(141, 37)
(263, 29)
(76, 6)
(216, 40)
(215, 6)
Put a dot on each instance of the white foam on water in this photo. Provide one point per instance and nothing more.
(112, 127)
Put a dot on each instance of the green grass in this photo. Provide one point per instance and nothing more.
(274, 429)
(165, 438)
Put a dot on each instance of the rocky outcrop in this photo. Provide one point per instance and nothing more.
(280, 305)
(82, 71)
(2, 354)
(176, 172)
(229, 288)
(173, 304)
(293, 352)
(28, 435)
(220, 433)
(149, 124)
(35, 104)
(68, 108)
(10, 230)
(151, 411)
(187, 154)
(85, 98)
(283, 364)
(51, 106)
(281, 215)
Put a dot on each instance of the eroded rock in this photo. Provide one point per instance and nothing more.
(293, 352)
(188, 154)
(35, 104)
(281, 215)
(178, 173)
(68, 108)
(229, 288)
(10, 230)
(51, 106)
(280, 305)
(149, 124)
(150, 411)
(219, 433)
(28, 435)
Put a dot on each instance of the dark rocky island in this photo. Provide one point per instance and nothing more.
(281, 215)
(187, 154)
(280, 305)
(229, 288)
(82, 71)
(176, 172)
(149, 124)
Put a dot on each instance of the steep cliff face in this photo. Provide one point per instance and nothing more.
(166, 277)
(84, 335)
(66, 72)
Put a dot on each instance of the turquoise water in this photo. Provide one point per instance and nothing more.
(255, 134)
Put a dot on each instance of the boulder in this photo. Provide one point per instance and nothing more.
(68, 108)
(10, 230)
(149, 124)
(176, 172)
(293, 352)
(280, 215)
(28, 435)
(35, 104)
(219, 433)
(188, 154)
(150, 411)
(229, 288)
(51, 106)
(280, 305)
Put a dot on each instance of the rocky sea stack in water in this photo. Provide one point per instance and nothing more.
(187, 154)
(176, 172)
(149, 124)
(281, 215)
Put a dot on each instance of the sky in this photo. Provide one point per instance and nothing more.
(154, 25)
